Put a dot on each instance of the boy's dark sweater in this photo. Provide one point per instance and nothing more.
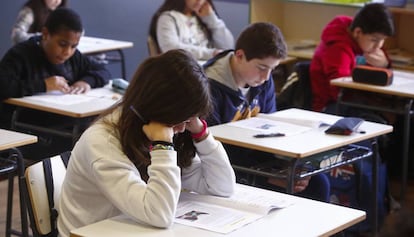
(25, 67)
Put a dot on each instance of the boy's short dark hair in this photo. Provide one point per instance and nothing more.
(261, 40)
(374, 18)
(63, 19)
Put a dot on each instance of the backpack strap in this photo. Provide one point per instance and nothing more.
(47, 169)
(65, 157)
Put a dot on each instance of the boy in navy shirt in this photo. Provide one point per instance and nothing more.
(242, 85)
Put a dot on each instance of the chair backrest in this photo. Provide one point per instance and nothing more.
(37, 193)
(153, 49)
(297, 91)
(302, 69)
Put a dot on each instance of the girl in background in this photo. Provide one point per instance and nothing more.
(32, 17)
(192, 25)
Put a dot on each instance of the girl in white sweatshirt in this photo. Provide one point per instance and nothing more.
(138, 156)
(192, 25)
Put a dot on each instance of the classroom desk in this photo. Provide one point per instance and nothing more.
(10, 140)
(93, 45)
(300, 146)
(297, 220)
(79, 107)
(401, 88)
(301, 49)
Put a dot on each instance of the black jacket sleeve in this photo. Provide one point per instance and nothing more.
(90, 71)
(17, 77)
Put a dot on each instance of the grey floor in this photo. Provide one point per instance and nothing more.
(3, 207)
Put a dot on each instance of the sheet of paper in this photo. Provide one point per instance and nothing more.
(211, 217)
(61, 99)
(265, 126)
(223, 215)
(57, 97)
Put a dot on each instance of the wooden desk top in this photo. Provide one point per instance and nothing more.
(302, 53)
(303, 49)
(76, 106)
(403, 85)
(90, 45)
(301, 145)
(297, 220)
(11, 139)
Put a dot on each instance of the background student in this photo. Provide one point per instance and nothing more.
(242, 86)
(139, 155)
(49, 62)
(346, 42)
(192, 25)
(32, 17)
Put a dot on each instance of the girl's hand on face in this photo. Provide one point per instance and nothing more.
(376, 58)
(195, 125)
(158, 132)
(205, 10)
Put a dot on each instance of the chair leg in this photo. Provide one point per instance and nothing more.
(23, 210)
(9, 203)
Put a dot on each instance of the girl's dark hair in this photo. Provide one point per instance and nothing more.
(40, 12)
(374, 18)
(169, 88)
(63, 19)
(177, 5)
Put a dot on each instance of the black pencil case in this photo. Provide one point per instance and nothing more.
(345, 126)
(372, 75)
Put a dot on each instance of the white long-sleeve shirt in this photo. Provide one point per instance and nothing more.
(24, 21)
(101, 182)
(178, 31)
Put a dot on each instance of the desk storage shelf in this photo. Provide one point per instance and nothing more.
(311, 165)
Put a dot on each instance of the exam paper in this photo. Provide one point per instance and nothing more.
(265, 126)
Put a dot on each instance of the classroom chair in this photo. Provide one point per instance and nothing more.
(43, 182)
(297, 91)
(153, 49)
(11, 164)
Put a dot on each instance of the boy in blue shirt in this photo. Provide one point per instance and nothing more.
(241, 84)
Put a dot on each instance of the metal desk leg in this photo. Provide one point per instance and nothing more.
(406, 142)
(375, 165)
(23, 208)
(123, 70)
(291, 176)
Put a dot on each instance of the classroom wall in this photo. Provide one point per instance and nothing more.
(124, 20)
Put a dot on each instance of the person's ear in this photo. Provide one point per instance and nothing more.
(45, 33)
(239, 54)
(356, 32)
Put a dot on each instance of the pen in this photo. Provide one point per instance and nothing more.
(269, 135)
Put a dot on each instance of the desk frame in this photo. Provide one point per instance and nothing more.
(294, 155)
(79, 112)
(406, 110)
(14, 153)
(294, 163)
(101, 45)
(74, 134)
(121, 59)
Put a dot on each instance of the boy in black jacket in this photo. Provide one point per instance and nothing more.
(49, 62)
